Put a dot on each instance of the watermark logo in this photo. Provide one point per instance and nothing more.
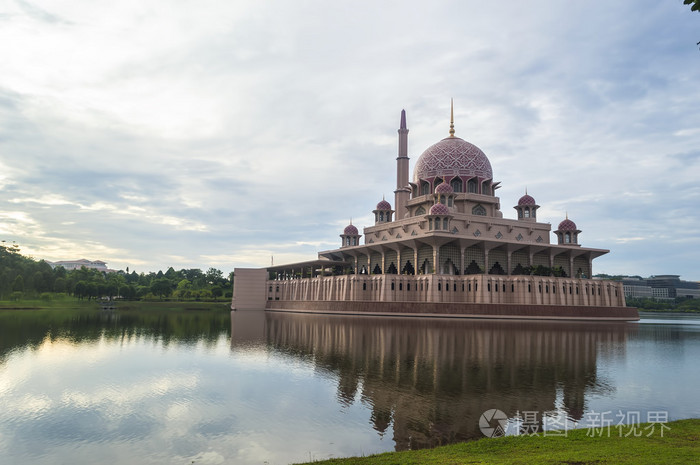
(493, 423)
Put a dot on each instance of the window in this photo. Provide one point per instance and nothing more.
(430, 224)
(444, 224)
(527, 213)
(392, 286)
(567, 238)
(381, 216)
(420, 211)
(408, 286)
(479, 210)
(364, 286)
(439, 286)
(424, 188)
(486, 189)
(456, 184)
(488, 287)
(471, 186)
(450, 202)
(401, 286)
(520, 213)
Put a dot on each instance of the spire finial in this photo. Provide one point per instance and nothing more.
(525, 190)
(403, 120)
(567, 214)
(351, 220)
(452, 119)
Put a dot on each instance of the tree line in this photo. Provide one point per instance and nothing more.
(23, 277)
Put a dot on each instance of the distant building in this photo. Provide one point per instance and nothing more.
(661, 287)
(98, 265)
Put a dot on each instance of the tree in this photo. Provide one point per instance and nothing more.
(695, 4)
(161, 287)
(18, 284)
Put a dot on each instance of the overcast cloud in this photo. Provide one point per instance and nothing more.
(201, 133)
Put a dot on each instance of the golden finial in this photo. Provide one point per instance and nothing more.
(525, 190)
(452, 119)
(567, 214)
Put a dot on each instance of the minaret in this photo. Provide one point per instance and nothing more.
(403, 191)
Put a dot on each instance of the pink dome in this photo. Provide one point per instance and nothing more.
(526, 200)
(439, 209)
(383, 205)
(567, 225)
(452, 156)
(444, 188)
(350, 230)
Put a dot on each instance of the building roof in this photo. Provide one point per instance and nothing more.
(452, 156)
(526, 200)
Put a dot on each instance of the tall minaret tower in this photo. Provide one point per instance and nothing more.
(403, 191)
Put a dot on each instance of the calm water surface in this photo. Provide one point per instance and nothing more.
(125, 387)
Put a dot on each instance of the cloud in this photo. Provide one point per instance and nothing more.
(211, 133)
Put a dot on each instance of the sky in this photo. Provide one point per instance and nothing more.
(199, 134)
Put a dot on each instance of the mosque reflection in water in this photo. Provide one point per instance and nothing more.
(431, 379)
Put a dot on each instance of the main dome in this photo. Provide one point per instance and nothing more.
(452, 156)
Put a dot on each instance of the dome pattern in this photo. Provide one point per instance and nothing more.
(452, 156)
(567, 225)
(444, 188)
(526, 200)
(439, 209)
(383, 205)
(350, 230)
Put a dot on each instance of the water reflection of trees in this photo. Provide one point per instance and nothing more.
(29, 328)
(432, 379)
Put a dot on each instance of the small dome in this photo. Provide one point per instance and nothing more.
(526, 200)
(350, 230)
(444, 188)
(383, 205)
(439, 209)
(567, 225)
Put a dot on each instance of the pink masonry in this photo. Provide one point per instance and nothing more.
(445, 250)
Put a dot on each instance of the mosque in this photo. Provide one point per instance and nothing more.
(445, 248)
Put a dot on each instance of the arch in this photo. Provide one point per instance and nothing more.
(437, 182)
(420, 211)
(445, 226)
(526, 212)
(392, 269)
(479, 210)
(377, 269)
(519, 269)
(473, 268)
(456, 184)
(449, 267)
(486, 188)
(472, 186)
(497, 269)
(424, 188)
(408, 268)
(567, 238)
(424, 268)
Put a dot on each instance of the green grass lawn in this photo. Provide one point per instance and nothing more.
(679, 445)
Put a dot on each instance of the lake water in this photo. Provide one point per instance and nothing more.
(125, 387)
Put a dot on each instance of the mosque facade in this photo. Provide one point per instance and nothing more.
(445, 247)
